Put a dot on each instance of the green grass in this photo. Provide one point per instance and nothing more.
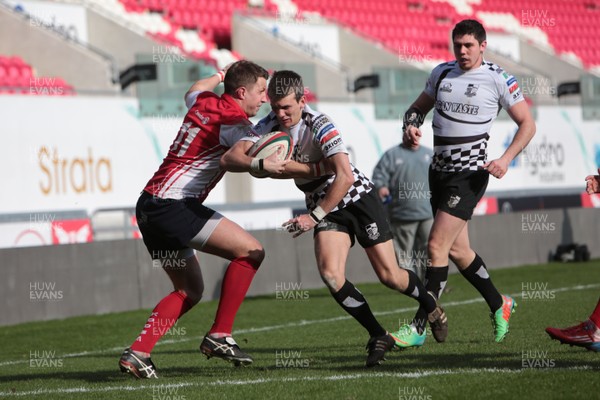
(328, 347)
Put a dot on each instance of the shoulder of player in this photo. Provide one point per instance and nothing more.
(496, 72)
(265, 124)
(316, 121)
(437, 70)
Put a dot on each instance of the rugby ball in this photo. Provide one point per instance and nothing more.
(268, 144)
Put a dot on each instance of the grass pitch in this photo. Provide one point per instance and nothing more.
(306, 347)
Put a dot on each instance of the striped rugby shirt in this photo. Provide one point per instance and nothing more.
(315, 137)
(466, 105)
(191, 168)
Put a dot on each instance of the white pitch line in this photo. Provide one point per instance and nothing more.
(338, 377)
(298, 324)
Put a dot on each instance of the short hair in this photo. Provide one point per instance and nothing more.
(469, 27)
(283, 83)
(243, 74)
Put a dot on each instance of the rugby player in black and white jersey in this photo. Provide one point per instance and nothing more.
(342, 204)
(466, 96)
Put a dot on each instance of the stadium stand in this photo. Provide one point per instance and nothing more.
(17, 77)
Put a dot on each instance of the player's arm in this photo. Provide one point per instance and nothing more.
(414, 118)
(381, 177)
(236, 159)
(294, 169)
(519, 113)
(344, 178)
(205, 84)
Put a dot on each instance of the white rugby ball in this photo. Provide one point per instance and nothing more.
(268, 144)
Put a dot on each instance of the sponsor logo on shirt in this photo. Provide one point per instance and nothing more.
(202, 118)
(318, 123)
(511, 81)
(323, 131)
(457, 107)
(471, 90)
(446, 87)
(513, 88)
(333, 143)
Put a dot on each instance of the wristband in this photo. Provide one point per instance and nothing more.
(257, 164)
(413, 117)
(318, 214)
(221, 75)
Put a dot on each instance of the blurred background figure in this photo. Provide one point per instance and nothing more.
(401, 179)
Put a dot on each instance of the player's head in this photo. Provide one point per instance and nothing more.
(246, 82)
(469, 42)
(286, 94)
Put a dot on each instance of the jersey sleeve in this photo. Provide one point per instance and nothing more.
(191, 98)
(381, 174)
(432, 80)
(327, 136)
(509, 91)
(231, 134)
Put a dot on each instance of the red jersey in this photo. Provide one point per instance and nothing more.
(191, 168)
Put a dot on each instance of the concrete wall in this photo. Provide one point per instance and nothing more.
(51, 55)
(260, 46)
(120, 42)
(116, 276)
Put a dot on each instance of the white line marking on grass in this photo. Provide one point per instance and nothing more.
(318, 378)
(338, 377)
(297, 324)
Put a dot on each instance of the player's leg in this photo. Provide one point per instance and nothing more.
(585, 334)
(228, 240)
(420, 247)
(332, 244)
(405, 281)
(331, 251)
(184, 272)
(443, 232)
(160, 221)
(473, 268)
(404, 240)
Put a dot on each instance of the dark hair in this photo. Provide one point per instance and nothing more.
(283, 83)
(243, 73)
(469, 27)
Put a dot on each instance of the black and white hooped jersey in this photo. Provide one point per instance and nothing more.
(466, 105)
(315, 137)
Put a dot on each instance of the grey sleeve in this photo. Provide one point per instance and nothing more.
(381, 173)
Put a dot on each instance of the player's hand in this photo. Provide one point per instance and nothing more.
(383, 192)
(272, 164)
(411, 137)
(299, 225)
(592, 183)
(225, 68)
(497, 168)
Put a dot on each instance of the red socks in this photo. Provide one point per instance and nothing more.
(595, 317)
(163, 317)
(236, 282)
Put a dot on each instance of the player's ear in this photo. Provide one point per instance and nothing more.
(240, 93)
(302, 101)
(483, 45)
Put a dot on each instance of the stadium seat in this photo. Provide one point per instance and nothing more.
(17, 77)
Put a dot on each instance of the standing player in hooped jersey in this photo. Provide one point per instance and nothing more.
(342, 204)
(174, 222)
(466, 96)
